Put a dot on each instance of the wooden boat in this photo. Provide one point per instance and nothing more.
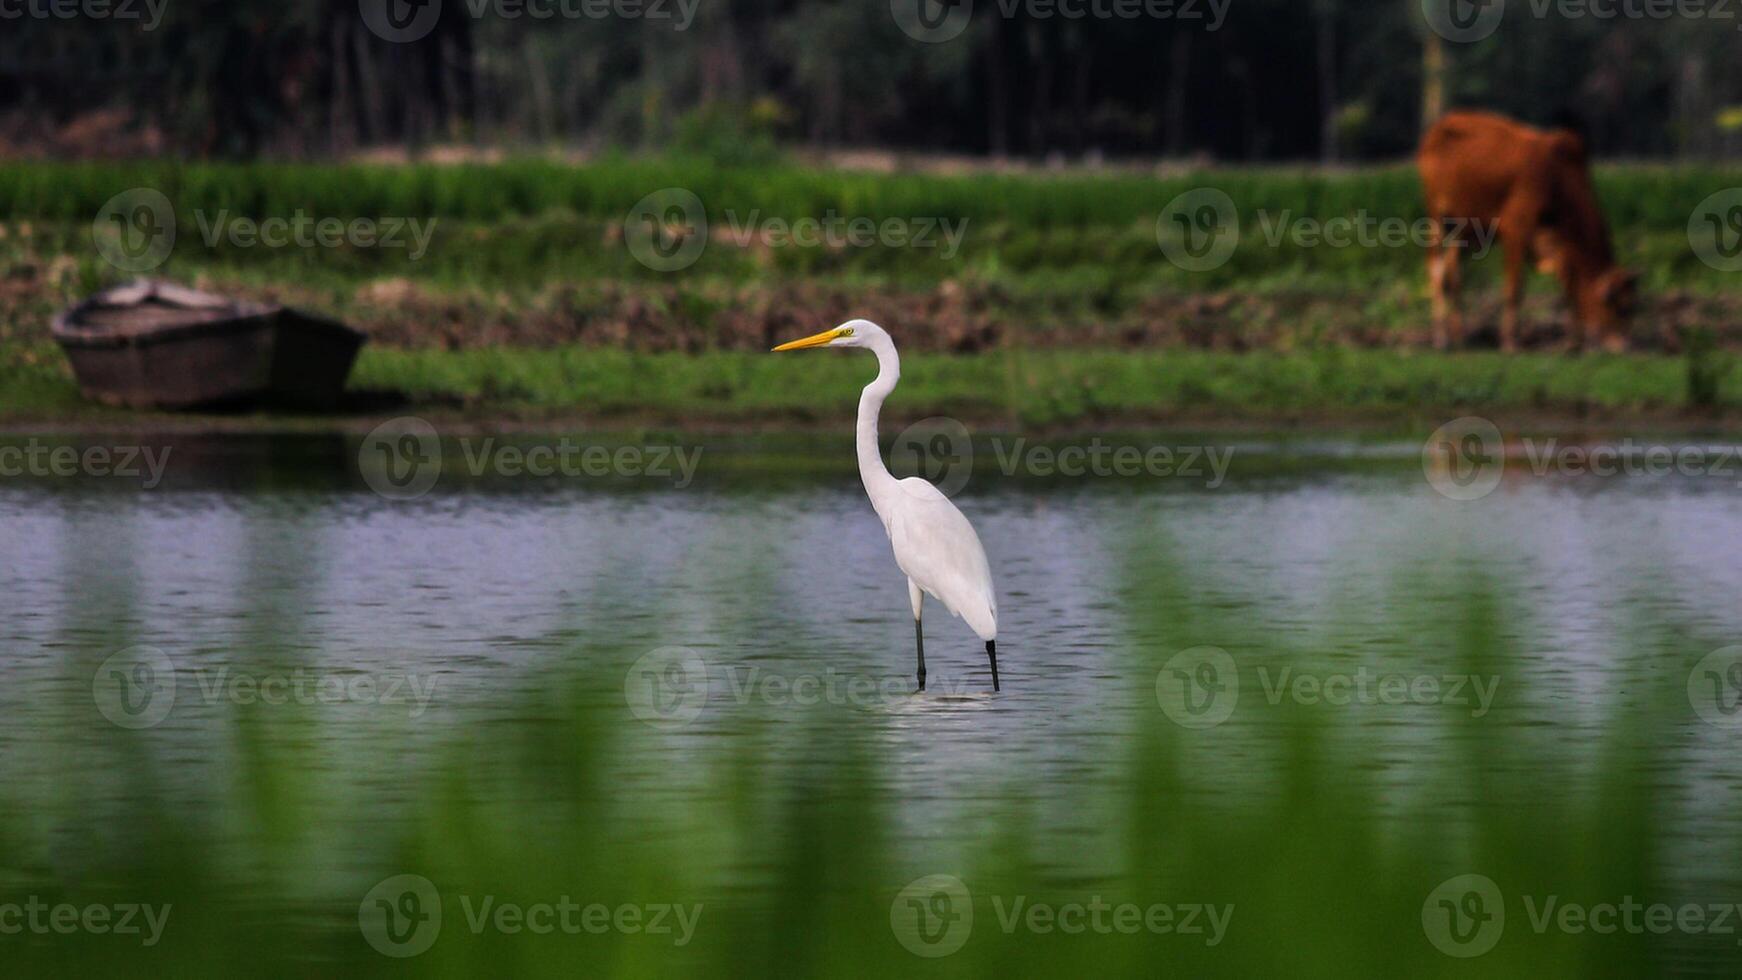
(154, 344)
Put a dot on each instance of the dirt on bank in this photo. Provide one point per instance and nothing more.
(954, 316)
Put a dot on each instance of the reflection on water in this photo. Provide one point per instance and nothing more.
(347, 640)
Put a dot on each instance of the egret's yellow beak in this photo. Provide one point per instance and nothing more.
(815, 340)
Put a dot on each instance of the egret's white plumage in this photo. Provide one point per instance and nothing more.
(934, 544)
(938, 549)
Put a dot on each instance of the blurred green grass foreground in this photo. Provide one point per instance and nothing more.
(579, 837)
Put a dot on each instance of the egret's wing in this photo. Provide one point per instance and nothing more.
(937, 547)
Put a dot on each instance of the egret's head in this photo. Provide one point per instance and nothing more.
(853, 333)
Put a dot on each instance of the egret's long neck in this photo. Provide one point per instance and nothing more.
(871, 467)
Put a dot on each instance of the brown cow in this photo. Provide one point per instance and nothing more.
(1484, 173)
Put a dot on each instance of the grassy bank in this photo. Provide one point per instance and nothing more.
(517, 226)
(1041, 387)
(535, 254)
(523, 298)
(1636, 196)
(1009, 388)
(1105, 267)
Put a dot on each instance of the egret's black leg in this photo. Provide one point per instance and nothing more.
(992, 655)
(919, 644)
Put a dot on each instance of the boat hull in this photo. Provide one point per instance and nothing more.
(278, 357)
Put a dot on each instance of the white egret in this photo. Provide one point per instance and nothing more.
(934, 544)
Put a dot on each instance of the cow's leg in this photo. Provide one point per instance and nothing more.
(1443, 284)
(1579, 333)
(1515, 256)
(1453, 276)
(1551, 258)
(1519, 222)
(1436, 288)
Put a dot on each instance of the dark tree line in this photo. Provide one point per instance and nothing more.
(1277, 80)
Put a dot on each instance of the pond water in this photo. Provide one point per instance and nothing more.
(266, 579)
